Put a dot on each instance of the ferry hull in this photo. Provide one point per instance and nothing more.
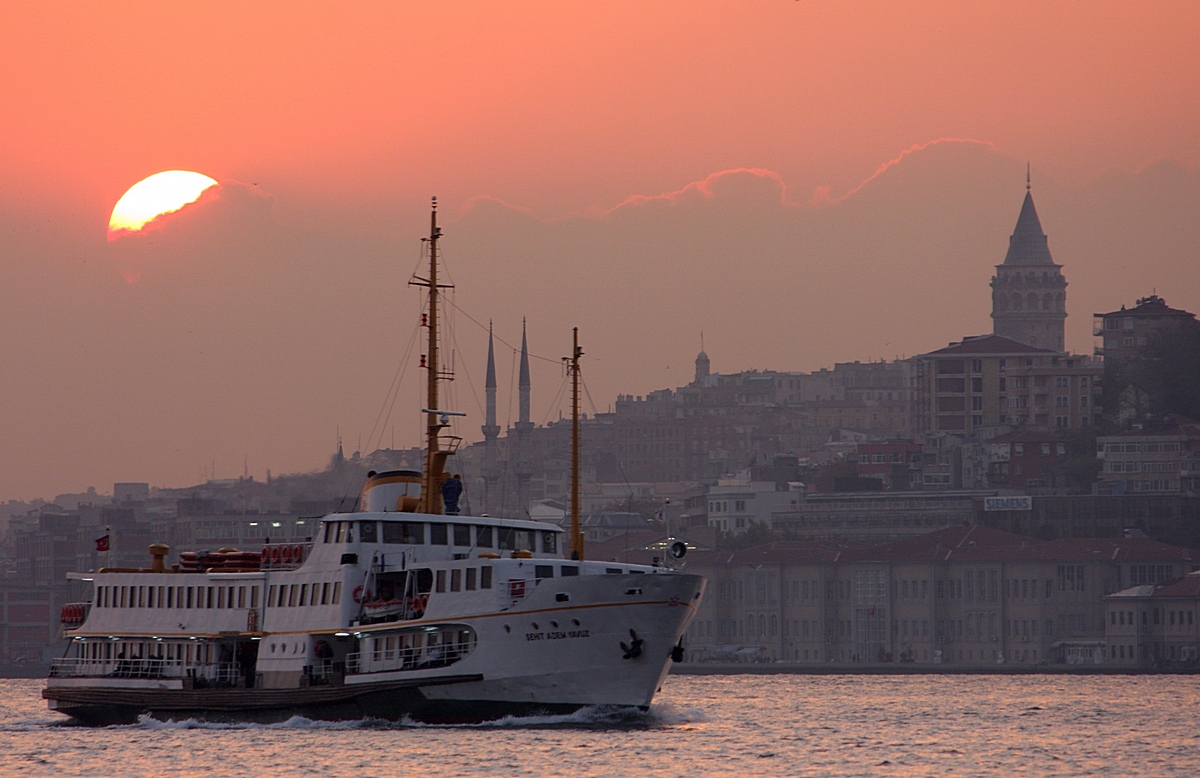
(98, 706)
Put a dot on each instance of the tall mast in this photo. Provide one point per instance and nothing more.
(573, 367)
(431, 483)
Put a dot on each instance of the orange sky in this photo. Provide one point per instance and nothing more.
(345, 121)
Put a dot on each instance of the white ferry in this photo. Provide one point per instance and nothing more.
(395, 610)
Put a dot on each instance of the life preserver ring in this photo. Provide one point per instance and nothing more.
(361, 595)
(264, 556)
(298, 554)
(420, 602)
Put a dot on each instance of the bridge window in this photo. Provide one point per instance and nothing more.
(368, 531)
(462, 534)
(549, 542)
(439, 535)
(483, 537)
(408, 532)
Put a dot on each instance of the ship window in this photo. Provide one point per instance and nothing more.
(339, 531)
(569, 570)
(210, 597)
(293, 590)
(241, 597)
(462, 534)
(220, 596)
(271, 595)
(328, 530)
(483, 537)
(253, 596)
(455, 579)
(325, 593)
(441, 580)
(349, 531)
(189, 596)
(149, 596)
(543, 571)
(141, 596)
(282, 601)
(612, 571)
(507, 538)
(410, 532)
(550, 542)
(368, 531)
(303, 595)
(485, 577)
(438, 535)
(471, 575)
(337, 592)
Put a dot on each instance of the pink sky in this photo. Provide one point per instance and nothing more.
(243, 337)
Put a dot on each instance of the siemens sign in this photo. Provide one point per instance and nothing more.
(1008, 503)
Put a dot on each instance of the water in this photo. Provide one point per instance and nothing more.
(700, 725)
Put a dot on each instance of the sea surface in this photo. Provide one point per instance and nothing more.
(742, 725)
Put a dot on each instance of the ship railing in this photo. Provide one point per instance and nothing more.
(455, 644)
(82, 667)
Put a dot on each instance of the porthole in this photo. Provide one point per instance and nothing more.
(272, 648)
(575, 622)
(507, 628)
(535, 626)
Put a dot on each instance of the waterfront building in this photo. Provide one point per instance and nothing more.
(1156, 622)
(960, 596)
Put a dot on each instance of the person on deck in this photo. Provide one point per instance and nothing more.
(452, 489)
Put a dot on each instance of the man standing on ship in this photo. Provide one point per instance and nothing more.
(452, 489)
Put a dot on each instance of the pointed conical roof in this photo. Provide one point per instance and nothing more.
(491, 363)
(523, 382)
(1028, 244)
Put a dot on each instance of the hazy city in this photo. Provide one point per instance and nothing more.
(888, 374)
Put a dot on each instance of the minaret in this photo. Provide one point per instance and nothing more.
(702, 366)
(523, 383)
(1029, 293)
(491, 430)
(523, 456)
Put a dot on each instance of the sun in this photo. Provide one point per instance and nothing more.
(153, 196)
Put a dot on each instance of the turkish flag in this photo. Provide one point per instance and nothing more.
(102, 543)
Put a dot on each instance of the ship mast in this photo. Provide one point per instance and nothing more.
(435, 459)
(573, 369)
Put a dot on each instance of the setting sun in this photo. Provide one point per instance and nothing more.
(153, 196)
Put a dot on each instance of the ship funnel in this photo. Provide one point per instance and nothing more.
(158, 553)
(392, 491)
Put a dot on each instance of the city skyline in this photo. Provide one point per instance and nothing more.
(805, 186)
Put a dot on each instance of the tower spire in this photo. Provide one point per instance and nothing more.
(490, 428)
(1026, 176)
(523, 384)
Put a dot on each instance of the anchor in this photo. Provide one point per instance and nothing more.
(634, 649)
